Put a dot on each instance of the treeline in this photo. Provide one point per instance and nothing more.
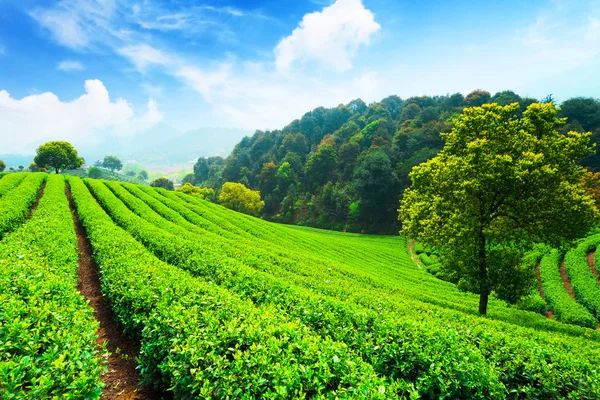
(346, 167)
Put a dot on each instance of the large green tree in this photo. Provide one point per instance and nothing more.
(112, 163)
(500, 184)
(58, 155)
(238, 197)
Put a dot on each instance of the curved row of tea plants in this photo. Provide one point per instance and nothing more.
(47, 329)
(409, 350)
(397, 268)
(343, 319)
(11, 181)
(15, 206)
(564, 307)
(200, 340)
(585, 285)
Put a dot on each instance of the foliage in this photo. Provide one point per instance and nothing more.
(163, 183)
(202, 193)
(143, 174)
(47, 329)
(15, 204)
(57, 155)
(186, 325)
(492, 192)
(95, 172)
(112, 163)
(2, 165)
(33, 167)
(409, 330)
(586, 286)
(565, 308)
(239, 198)
(10, 181)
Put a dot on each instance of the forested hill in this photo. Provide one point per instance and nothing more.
(346, 167)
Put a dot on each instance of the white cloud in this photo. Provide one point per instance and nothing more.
(144, 55)
(330, 36)
(70, 65)
(40, 117)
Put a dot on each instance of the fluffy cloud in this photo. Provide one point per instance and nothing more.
(70, 65)
(40, 117)
(330, 36)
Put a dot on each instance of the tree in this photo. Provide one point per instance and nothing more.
(500, 184)
(188, 178)
(143, 174)
(112, 163)
(57, 155)
(201, 169)
(21, 167)
(238, 197)
(321, 165)
(95, 172)
(130, 173)
(377, 188)
(203, 193)
(163, 183)
(2, 165)
(33, 167)
(477, 98)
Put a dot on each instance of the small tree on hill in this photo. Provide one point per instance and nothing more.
(163, 183)
(500, 184)
(112, 163)
(95, 173)
(2, 165)
(143, 175)
(57, 155)
(203, 193)
(33, 167)
(21, 167)
(238, 197)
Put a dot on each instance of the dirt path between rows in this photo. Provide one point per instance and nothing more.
(121, 378)
(37, 200)
(566, 280)
(592, 264)
(549, 313)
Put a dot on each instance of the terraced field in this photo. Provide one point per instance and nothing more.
(218, 304)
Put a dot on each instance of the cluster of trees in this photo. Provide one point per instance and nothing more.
(347, 167)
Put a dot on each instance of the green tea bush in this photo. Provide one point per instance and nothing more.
(15, 206)
(565, 308)
(47, 329)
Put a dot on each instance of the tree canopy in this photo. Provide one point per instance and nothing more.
(163, 182)
(2, 165)
(57, 155)
(238, 197)
(95, 172)
(500, 184)
(112, 163)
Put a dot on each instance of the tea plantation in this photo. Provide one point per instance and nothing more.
(224, 305)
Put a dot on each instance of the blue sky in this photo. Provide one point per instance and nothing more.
(76, 69)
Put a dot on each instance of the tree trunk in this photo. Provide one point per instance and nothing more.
(483, 302)
(484, 290)
(56, 170)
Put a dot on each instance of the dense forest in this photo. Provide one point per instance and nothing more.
(346, 167)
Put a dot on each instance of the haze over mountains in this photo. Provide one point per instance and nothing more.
(159, 145)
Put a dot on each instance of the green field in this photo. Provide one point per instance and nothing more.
(226, 305)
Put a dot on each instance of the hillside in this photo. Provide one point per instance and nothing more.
(218, 302)
(346, 167)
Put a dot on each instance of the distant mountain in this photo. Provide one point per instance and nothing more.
(203, 142)
(14, 160)
(163, 145)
